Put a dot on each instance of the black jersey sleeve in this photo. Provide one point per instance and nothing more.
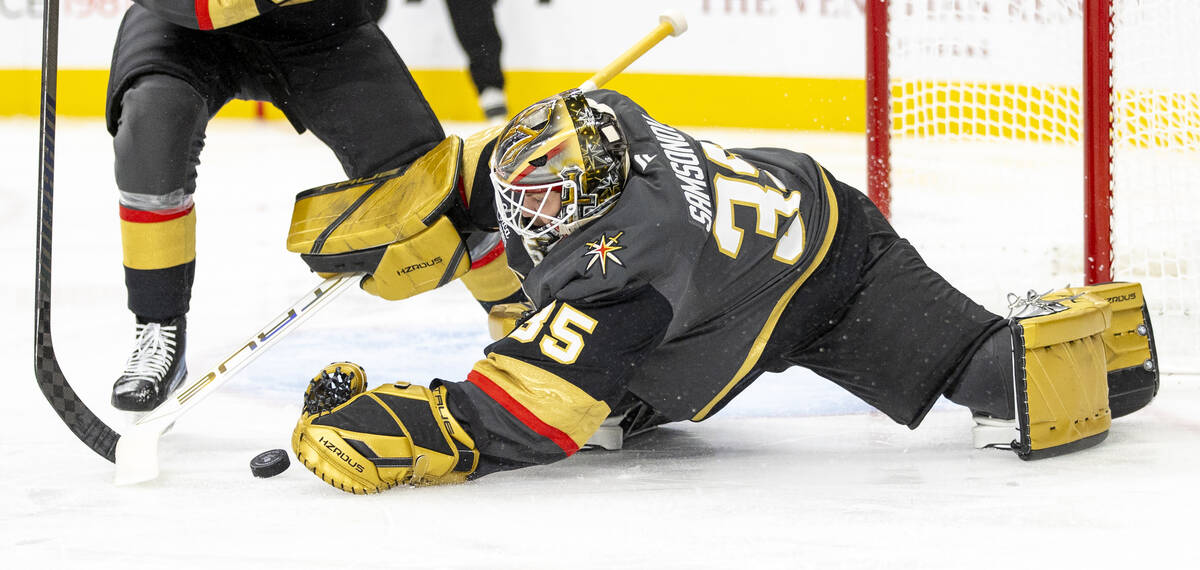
(542, 391)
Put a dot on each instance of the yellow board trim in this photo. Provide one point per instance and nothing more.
(552, 399)
(803, 103)
(760, 343)
(708, 100)
(795, 103)
(159, 245)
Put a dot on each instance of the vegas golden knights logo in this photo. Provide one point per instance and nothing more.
(521, 136)
(604, 250)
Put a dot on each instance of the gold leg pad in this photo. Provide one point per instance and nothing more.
(1129, 351)
(1061, 377)
(1127, 338)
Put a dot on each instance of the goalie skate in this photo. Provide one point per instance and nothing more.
(632, 418)
(155, 368)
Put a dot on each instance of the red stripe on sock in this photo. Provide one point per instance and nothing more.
(145, 217)
(522, 413)
(203, 19)
(489, 256)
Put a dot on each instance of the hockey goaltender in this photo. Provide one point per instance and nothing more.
(664, 274)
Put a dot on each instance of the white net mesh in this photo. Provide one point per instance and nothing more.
(987, 160)
(1156, 166)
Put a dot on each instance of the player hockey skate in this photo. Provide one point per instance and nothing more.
(494, 105)
(155, 368)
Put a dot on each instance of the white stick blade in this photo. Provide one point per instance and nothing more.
(137, 456)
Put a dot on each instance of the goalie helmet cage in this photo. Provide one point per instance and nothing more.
(1016, 141)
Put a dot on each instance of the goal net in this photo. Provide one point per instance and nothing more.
(981, 120)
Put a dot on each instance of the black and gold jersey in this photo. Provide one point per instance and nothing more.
(672, 295)
(278, 20)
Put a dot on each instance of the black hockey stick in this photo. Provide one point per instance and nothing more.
(90, 429)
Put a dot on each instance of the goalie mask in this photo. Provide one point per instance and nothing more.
(557, 165)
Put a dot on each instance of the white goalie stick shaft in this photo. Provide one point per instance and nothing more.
(136, 452)
(196, 388)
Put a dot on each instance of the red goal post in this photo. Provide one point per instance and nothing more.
(1097, 141)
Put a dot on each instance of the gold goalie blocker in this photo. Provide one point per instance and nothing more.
(1082, 356)
(397, 227)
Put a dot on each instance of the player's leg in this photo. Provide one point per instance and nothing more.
(474, 23)
(157, 144)
(876, 320)
(907, 336)
(158, 122)
(357, 96)
(986, 385)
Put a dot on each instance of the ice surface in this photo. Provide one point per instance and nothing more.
(793, 474)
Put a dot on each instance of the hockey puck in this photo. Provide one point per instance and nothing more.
(269, 463)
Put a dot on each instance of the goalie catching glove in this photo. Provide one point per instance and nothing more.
(364, 441)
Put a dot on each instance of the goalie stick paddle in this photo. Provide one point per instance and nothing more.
(90, 429)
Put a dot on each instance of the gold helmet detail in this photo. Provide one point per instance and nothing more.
(557, 164)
